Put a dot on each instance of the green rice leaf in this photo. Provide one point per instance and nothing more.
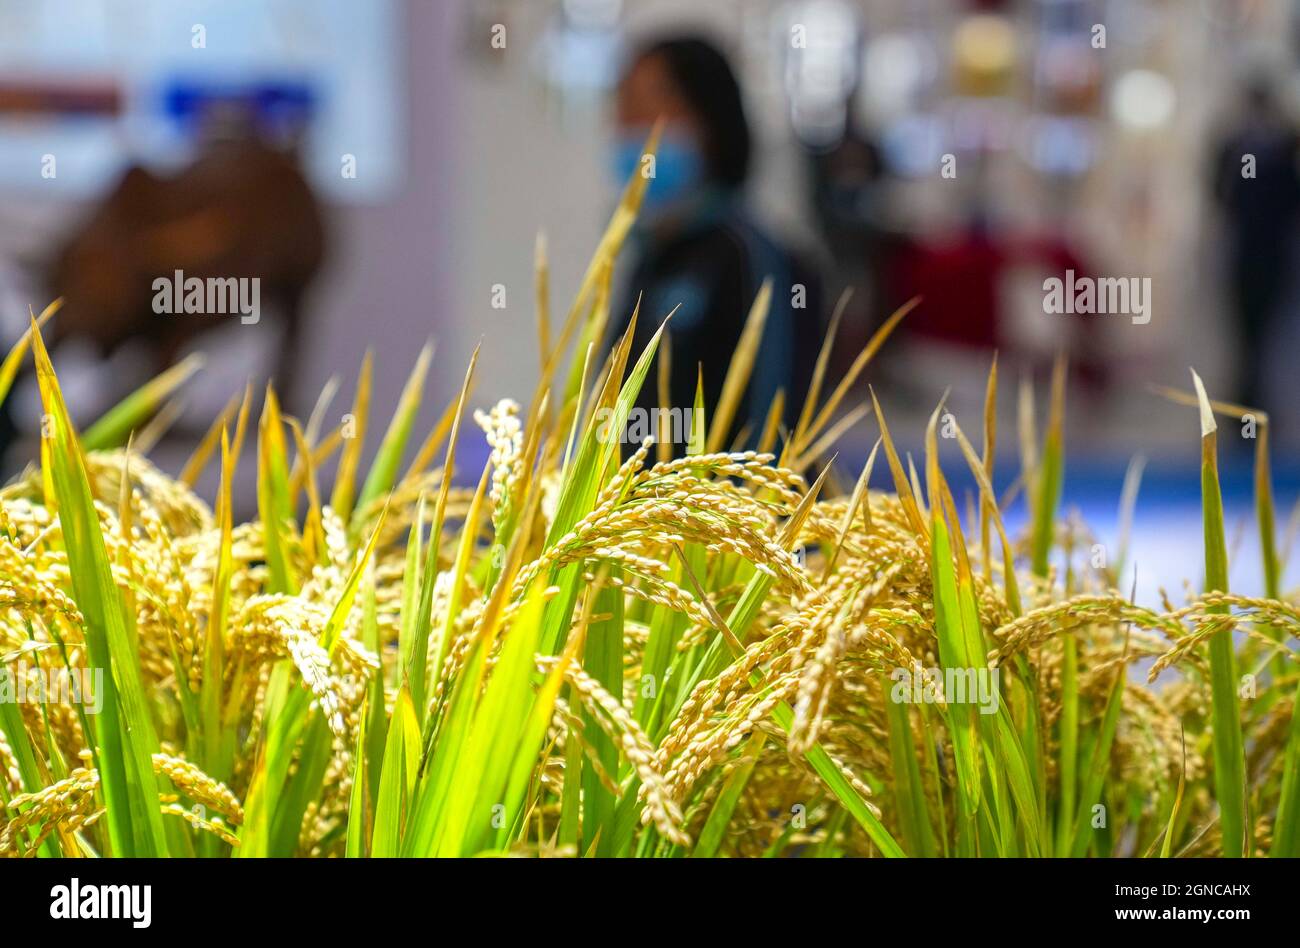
(1229, 753)
(125, 740)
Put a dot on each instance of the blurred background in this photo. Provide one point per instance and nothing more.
(384, 169)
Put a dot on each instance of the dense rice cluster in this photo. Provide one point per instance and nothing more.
(850, 600)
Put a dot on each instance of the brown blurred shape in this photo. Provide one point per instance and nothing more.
(243, 209)
(59, 99)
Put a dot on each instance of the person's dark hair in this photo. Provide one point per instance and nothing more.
(703, 78)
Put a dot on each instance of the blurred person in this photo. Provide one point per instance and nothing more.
(696, 248)
(242, 209)
(851, 196)
(1261, 211)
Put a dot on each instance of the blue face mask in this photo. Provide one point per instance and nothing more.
(678, 166)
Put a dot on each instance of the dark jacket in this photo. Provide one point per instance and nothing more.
(710, 267)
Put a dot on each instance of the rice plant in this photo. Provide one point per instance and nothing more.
(587, 654)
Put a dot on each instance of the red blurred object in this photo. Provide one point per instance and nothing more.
(958, 282)
(960, 278)
(59, 99)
